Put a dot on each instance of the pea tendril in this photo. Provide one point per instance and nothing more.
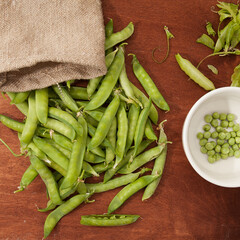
(169, 35)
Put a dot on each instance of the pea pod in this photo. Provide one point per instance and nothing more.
(122, 132)
(61, 127)
(65, 97)
(47, 178)
(76, 159)
(108, 220)
(65, 117)
(140, 128)
(108, 82)
(148, 84)
(105, 123)
(23, 107)
(120, 36)
(133, 115)
(142, 159)
(111, 136)
(31, 122)
(28, 176)
(94, 82)
(68, 206)
(149, 132)
(114, 183)
(41, 96)
(153, 114)
(129, 190)
(20, 97)
(110, 172)
(194, 73)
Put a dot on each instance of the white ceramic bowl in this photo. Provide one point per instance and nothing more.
(225, 173)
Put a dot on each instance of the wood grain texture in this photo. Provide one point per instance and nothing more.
(185, 206)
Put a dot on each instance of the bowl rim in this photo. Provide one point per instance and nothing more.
(185, 134)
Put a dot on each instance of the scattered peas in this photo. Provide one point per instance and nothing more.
(207, 135)
(223, 116)
(236, 127)
(214, 134)
(206, 127)
(208, 118)
(224, 124)
(215, 115)
(214, 123)
(230, 117)
(200, 135)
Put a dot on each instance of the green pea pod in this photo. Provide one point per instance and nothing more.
(129, 190)
(51, 152)
(68, 206)
(111, 136)
(23, 107)
(65, 117)
(47, 178)
(62, 141)
(112, 184)
(20, 97)
(149, 132)
(108, 220)
(120, 36)
(194, 73)
(142, 159)
(148, 84)
(94, 82)
(78, 93)
(133, 115)
(122, 123)
(105, 123)
(110, 172)
(31, 123)
(51, 205)
(140, 128)
(28, 176)
(76, 159)
(157, 169)
(153, 114)
(11, 123)
(89, 169)
(61, 127)
(41, 96)
(65, 96)
(125, 84)
(108, 82)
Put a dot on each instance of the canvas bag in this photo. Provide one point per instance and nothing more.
(44, 42)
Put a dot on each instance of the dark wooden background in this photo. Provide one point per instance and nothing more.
(185, 206)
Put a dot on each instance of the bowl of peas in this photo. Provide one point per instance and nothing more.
(211, 136)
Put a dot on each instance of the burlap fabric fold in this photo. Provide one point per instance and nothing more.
(44, 42)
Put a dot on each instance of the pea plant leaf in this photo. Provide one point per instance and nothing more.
(213, 69)
(235, 78)
(206, 40)
(227, 10)
(210, 30)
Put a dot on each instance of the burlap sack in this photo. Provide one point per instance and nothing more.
(44, 42)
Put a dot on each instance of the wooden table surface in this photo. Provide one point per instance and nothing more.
(185, 206)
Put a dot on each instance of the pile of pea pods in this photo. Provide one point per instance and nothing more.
(73, 133)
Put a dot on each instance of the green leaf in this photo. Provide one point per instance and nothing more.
(235, 78)
(206, 40)
(210, 29)
(213, 69)
(227, 10)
